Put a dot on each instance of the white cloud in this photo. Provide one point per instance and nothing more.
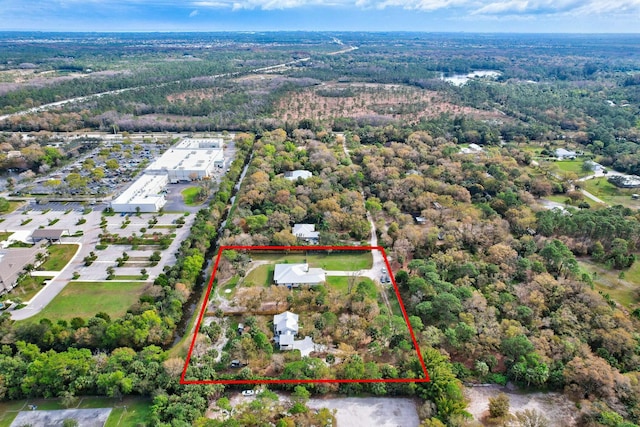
(193, 13)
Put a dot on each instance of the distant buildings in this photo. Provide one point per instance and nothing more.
(295, 275)
(306, 232)
(189, 160)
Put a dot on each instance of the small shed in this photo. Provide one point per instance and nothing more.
(50, 234)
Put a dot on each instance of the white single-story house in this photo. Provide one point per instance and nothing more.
(285, 328)
(294, 275)
(306, 232)
(563, 154)
(300, 173)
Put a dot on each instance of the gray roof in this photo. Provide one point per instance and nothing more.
(47, 233)
(298, 274)
(305, 231)
(12, 263)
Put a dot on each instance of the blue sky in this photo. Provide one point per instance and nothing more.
(555, 16)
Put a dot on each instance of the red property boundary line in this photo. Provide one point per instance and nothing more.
(304, 248)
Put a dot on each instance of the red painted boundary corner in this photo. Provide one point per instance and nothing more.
(293, 381)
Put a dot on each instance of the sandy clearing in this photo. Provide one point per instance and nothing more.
(557, 408)
(370, 411)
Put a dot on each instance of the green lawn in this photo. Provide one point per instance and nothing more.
(572, 166)
(357, 260)
(611, 194)
(4, 236)
(623, 291)
(261, 276)
(190, 195)
(558, 198)
(130, 411)
(341, 283)
(59, 256)
(27, 288)
(85, 299)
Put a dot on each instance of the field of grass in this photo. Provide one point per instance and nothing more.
(27, 288)
(4, 236)
(558, 198)
(59, 256)
(572, 166)
(260, 276)
(85, 299)
(622, 290)
(129, 411)
(603, 189)
(189, 195)
(357, 260)
(341, 283)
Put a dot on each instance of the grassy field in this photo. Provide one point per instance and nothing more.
(85, 299)
(129, 411)
(358, 260)
(341, 283)
(27, 288)
(189, 195)
(603, 189)
(260, 276)
(623, 291)
(4, 236)
(59, 256)
(572, 166)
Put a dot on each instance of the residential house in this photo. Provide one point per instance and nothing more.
(285, 328)
(297, 174)
(306, 232)
(563, 154)
(294, 275)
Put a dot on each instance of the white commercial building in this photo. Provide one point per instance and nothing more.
(199, 143)
(187, 164)
(146, 193)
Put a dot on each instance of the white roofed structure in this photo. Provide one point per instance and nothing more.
(306, 232)
(145, 193)
(294, 175)
(294, 275)
(187, 164)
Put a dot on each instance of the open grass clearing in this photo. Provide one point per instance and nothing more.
(340, 261)
(129, 411)
(262, 275)
(85, 299)
(622, 290)
(341, 283)
(4, 235)
(59, 256)
(190, 196)
(572, 166)
(603, 189)
(13, 205)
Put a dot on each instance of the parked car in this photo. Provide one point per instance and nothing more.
(248, 392)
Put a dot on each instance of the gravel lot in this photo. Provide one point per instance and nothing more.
(85, 417)
(371, 411)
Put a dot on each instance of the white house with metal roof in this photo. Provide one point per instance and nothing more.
(285, 328)
(306, 232)
(294, 275)
(294, 175)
